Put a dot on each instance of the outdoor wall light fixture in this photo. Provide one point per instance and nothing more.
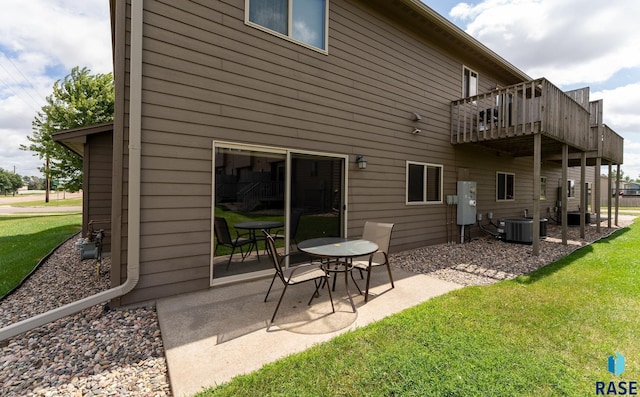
(362, 162)
(416, 117)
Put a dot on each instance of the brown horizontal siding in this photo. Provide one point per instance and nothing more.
(184, 275)
(173, 189)
(98, 187)
(208, 76)
(173, 226)
(144, 293)
(483, 165)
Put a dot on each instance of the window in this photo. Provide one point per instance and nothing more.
(543, 188)
(303, 21)
(424, 183)
(505, 183)
(571, 188)
(469, 82)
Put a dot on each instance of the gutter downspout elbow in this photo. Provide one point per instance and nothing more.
(133, 225)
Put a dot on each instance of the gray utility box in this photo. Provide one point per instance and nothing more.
(466, 202)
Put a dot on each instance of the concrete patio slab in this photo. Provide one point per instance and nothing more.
(211, 336)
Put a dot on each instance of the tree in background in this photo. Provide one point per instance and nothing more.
(79, 100)
(9, 182)
(33, 182)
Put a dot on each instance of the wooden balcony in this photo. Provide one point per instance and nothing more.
(507, 118)
(612, 147)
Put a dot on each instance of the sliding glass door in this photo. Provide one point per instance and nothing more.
(292, 195)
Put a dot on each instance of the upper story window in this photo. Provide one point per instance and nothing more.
(505, 186)
(302, 21)
(469, 82)
(424, 183)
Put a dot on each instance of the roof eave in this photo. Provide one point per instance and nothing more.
(464, 37)
(74, 139)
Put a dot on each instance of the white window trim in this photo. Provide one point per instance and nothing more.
(288, 152)
(569, 189)
(406, 185)
(514, 186)
(324, 51)
(463, 81)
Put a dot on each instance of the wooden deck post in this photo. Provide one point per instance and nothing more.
(563, 191)
(609, 178)
(598, 189)
(583, 193)
(537, 158)
(617, 193)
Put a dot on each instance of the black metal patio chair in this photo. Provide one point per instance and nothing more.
(299, 274)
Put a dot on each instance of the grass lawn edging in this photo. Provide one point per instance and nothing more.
(37, 266)
(548, 333)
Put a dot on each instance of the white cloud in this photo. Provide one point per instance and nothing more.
(621, 114)
(566, 41)
(621, 106)
(40, 42)
(572, 43)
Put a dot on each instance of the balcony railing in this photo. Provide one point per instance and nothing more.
(612, 146)
(535, 106)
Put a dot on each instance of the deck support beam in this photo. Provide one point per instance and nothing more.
(583, 193)
(563, 191)
(617, 193)
(537, 159)
(598, 189)
(609, 197)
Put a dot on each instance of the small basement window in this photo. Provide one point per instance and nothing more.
(505, 185)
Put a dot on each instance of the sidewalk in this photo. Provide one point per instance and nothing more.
(6, 201)
(211, 336)
(40, 196)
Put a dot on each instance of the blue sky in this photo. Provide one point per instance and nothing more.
(573, 43)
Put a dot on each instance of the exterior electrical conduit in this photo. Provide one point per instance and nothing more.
(133, 251)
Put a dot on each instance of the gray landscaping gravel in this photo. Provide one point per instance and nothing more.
(100, 352)
(96, 352)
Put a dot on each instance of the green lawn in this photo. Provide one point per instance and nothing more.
(544, 334)
(24, 240)
(310, 226)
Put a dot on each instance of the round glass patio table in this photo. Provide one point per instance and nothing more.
(253, 226)
(340, 249)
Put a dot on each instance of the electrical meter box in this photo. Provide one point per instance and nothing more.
(466, 202)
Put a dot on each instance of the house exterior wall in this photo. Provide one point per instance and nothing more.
(482, 164)
(208, 76)
(98, 158)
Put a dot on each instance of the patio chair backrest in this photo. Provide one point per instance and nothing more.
(379, 233)
(221, 228)
(296, 214)
(273, 253)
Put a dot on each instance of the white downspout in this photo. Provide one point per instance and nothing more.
(133, 249)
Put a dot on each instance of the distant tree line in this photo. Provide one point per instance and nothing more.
(623, 176)
(34, 182)
(9, 182)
